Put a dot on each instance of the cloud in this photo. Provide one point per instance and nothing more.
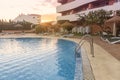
(53, 2)
(15, 7)
(46, 6)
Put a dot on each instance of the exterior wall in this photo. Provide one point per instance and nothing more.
(69, 11)
(74, 17)
(35, 19)
(65, 1)
(72, 5)
(62, 1)
(70, 1)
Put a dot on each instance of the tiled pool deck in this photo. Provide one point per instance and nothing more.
(104, 65)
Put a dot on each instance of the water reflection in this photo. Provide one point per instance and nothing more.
(66, 61)
(36, 59)
(9, 47)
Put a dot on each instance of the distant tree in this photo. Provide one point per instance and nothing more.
(10, 21)
(56, 27)
(45, 27)
(0, 28)
(102, 16)
(81, 20)
(38, 29)
(0, 22)
(41, 29)
(67, 26)
(26, 25)
(62, 21)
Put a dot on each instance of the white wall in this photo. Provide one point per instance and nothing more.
(72, 5)
(74, 17)
(28, 18)
(81, 30)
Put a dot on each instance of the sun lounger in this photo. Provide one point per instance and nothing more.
(115, 37)
(104, 37)
(113, 40)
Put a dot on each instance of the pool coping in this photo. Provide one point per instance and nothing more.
(86, 66)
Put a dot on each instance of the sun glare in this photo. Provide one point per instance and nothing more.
(9, 9)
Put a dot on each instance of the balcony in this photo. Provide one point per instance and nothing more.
(62, 1)
(72, 5)
(74, 17)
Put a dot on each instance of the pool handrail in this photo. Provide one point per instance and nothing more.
(82, 41)
(87, 69)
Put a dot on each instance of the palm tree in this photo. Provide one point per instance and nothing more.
(56, 27)
(118, 12)
(81, 20)
(95, 17)
(102, 16)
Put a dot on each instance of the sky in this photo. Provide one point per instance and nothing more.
(9, 9)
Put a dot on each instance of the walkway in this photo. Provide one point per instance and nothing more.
(113, 49)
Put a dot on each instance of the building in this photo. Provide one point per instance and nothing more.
(32, 18)
(69, 8)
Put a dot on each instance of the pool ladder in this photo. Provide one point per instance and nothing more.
(82, 41)
(87, 73)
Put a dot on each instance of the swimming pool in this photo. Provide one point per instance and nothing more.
(37, 59)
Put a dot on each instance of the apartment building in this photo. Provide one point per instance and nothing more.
(69, 8)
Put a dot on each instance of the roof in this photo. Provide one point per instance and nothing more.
(18, 25)
(34, 14)
(113, 19)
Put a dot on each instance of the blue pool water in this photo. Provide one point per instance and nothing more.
(36, 59)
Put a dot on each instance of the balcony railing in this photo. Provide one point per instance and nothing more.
(72, 5)
(62, 1)
(74, 17)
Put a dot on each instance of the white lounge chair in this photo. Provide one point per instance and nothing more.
(112, 41)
